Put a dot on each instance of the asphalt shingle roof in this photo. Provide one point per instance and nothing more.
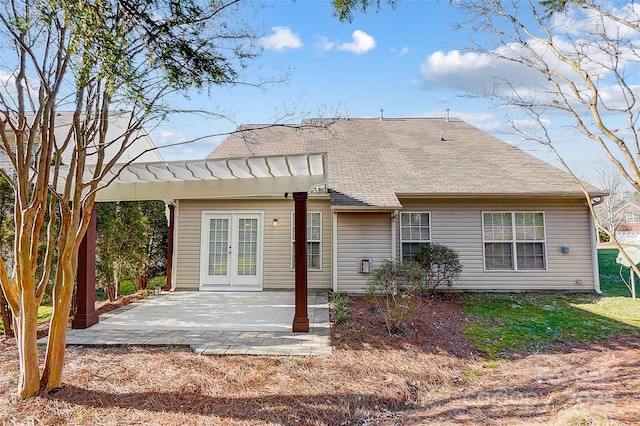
(372, 161)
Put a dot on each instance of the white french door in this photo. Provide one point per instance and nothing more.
(231, 251)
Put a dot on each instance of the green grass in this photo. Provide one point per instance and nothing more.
(506, 323)
(611, 283)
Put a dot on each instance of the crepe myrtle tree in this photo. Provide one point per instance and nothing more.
(90, 58)
(556, 59)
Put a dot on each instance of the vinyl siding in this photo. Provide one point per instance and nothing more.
(458, 224)
(361, 235)
(277, 273)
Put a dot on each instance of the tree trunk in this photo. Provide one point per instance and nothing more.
(26, 332)
(56, 343)
(143, 281)
(7, 317)
(111, 290)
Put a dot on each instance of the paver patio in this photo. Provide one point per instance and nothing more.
(220, 323)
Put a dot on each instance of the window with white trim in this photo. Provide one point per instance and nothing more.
(415, 229)
(314, 241)
(506, 233)
(632, 217)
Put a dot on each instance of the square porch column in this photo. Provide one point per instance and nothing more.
(86, 315)
(301, 317)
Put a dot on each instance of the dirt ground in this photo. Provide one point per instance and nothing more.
(430, 376)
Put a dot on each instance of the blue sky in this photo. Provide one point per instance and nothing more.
(408, 62)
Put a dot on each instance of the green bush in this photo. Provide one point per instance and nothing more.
(441, 265)
(392, 286)
(340, 308)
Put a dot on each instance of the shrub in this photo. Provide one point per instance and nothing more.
(604, 237)
(441, 265)
(392, 286)
(340, 308)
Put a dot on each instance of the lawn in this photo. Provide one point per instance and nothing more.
(504, 324)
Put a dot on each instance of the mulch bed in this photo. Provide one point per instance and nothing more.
(429, 375)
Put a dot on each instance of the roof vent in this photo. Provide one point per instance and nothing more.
(381, 114)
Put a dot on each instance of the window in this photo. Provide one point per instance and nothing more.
(506, 233)
(314, 240)
(632, 217)
(415, 229)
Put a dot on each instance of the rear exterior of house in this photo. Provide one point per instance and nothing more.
(516, 222)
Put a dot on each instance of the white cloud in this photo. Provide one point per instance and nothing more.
(400, 53)
(281, 39)
(323, 44)
(361, 43)
(479, 74)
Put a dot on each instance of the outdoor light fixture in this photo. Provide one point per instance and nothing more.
(275, 222)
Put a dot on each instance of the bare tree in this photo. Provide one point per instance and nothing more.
(610, 179)
(566, 58)
(89, 58)
(574, 59)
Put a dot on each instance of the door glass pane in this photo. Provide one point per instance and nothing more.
(218, 243)
(247, 246)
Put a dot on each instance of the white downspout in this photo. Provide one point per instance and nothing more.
(394, 242)
(594, 255)
(334, 252)
(174, 274)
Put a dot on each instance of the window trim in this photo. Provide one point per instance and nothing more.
(293, 240)
(402, 240)
(514, 242)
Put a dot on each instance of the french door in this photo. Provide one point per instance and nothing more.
(231, 251)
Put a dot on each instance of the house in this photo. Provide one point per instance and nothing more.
(517, 222)
(627, 224)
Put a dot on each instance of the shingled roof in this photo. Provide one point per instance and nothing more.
(372, 162)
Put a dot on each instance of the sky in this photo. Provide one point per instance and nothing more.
(408, 62)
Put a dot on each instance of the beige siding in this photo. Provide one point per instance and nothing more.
(277, 271)
(361, 235)
(458, 224)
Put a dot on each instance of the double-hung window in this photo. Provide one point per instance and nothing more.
(314, 241)
(514, 241)
(415, 229)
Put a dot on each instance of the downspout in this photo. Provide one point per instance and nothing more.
(394, 242)
(334, 252)
(594, 251)
(174, 257)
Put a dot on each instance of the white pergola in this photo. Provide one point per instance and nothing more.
(206, 179)
(211, 178)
